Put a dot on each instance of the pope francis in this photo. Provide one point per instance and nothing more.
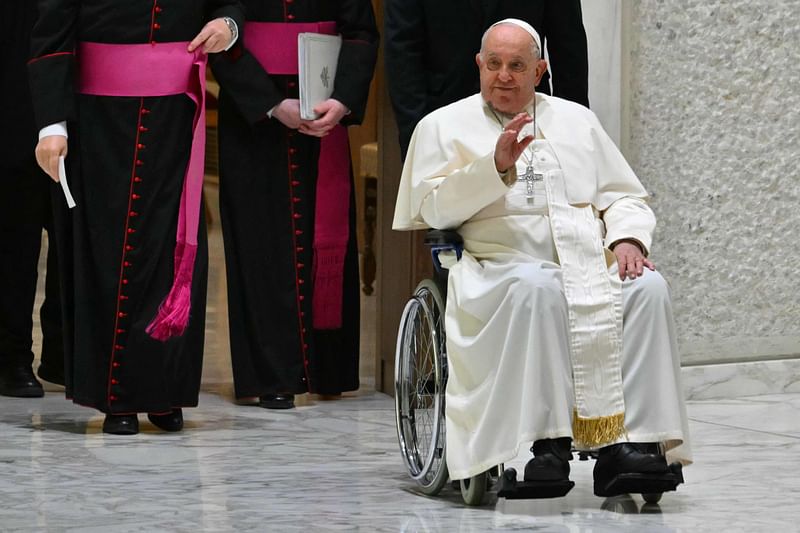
(559, 329)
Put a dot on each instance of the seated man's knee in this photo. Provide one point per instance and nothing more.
(651, 287)
(540, 284)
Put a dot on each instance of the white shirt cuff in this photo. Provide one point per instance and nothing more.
(235, 35)
(59, 128)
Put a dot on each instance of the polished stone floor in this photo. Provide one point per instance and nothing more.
(335, 466)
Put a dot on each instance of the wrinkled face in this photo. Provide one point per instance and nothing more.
(509, 70)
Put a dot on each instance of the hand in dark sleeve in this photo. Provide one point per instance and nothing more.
(245, 81)
(51, 69)
(227, 8)
(238, 72)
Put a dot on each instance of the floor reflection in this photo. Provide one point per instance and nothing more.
(335, 466)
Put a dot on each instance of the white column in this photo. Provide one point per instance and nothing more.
(603, 22)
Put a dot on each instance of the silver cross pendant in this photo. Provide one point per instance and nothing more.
(531, 176)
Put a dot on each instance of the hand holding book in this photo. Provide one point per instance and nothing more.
(318, 57)
(288, 112)
(330, 112)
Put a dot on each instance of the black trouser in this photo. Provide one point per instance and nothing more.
(25, 208)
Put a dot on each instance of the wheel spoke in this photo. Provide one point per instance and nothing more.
(420, 375)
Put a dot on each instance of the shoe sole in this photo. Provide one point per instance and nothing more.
(126, 432)
(28, 392)
(641, 483)
(168, 429)
(511, 489)
(165, 425)
(276, 405)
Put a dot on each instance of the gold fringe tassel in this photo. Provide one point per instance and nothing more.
(595, 432)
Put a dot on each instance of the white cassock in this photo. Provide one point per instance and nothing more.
(543, 339)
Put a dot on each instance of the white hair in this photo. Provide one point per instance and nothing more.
(535, 40)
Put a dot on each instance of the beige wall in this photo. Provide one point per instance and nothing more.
(712, 128)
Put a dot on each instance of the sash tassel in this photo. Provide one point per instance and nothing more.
(590, 433)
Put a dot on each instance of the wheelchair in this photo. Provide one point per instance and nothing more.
(420, 380)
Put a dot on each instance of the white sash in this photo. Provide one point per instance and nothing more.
(594, 302)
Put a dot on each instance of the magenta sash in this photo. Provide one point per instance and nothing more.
(274, 45)
(160, 69)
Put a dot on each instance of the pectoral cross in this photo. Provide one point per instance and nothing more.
(530, 176)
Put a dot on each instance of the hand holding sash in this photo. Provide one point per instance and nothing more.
(214, 37)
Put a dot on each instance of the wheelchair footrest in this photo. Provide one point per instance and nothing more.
(642, 483)
(511, 489)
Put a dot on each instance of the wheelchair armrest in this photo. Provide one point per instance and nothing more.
(443, 237)
(443, 240)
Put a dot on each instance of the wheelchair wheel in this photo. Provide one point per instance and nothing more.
(420, 378)
(652, 497)
(474, 489)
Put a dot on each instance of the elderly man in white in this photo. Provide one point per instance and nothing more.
(559, 329)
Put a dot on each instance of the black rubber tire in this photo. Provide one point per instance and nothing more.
(652, 497)
(473, 490)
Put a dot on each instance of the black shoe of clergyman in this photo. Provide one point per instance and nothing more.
(550, 460)
(628, 460)
(172, 421)
(121, 425)
(19, 381)
(277, 401)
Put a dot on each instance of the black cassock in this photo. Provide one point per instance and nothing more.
(126, 164)
(268, 176)
(24, 210)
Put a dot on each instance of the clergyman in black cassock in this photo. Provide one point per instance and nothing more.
(430, 48)
(24, 210)
(269, 200)
(126, 163)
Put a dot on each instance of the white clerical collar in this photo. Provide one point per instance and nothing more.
(527, 109)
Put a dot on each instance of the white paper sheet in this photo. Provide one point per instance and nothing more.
(62, 179)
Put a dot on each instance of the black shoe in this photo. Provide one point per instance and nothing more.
(121, 424)
(18, 381)
(633, 468)
(550, 460)
(277, 401)
(169, 422)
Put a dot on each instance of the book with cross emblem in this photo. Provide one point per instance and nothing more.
(318, 55)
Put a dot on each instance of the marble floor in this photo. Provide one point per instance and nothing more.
(335, 466)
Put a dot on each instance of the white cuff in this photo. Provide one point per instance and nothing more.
(269, 113)
(234, 32)
(59, 128)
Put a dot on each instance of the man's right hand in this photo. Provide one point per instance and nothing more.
(48, 151)
(508, 149)
(288, 112)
